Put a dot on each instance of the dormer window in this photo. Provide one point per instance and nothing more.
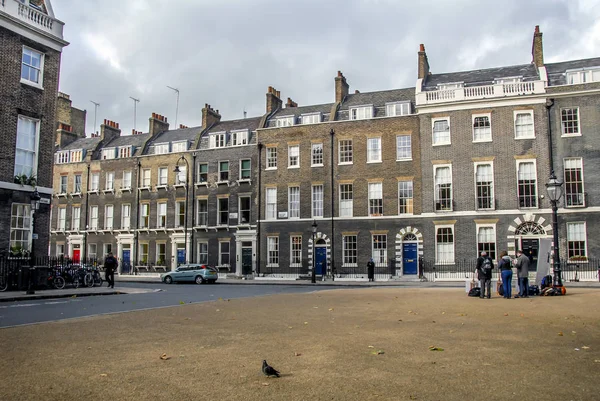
(76, 156)
(161, 148)
(62, 157)
(397, 109)
(508, 80)
(313, 118)
(451, 85)
(124, 151)
(108, 153)
(218, 140)
(239, 138)
(180, 146)
(286, 121)
(361, 113)
(583, 75)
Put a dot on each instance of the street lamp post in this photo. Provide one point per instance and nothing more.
(313, 276)
(187, 183)
(555, 191)
(35, 204)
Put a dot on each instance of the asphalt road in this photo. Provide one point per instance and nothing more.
(46, 310)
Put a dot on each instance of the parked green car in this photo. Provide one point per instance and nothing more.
(193, 273)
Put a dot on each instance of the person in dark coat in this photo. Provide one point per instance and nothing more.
(484, 273)
(110, 265)
(371, 270)
(505, 267)
(522, 265)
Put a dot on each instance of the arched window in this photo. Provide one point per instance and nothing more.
(530, 228)
(409, 237)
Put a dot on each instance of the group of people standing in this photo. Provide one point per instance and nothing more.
(485, 265)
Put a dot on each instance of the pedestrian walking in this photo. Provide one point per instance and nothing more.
(110, 265)
(505, 267)
(484, 273)
(371, 270)
(522, 265)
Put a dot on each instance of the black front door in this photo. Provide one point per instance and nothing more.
(246, 261)
(530, 248)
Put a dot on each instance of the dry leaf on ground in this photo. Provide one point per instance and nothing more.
(560, 333)
(585, 347)
(297, 354)
(164, 357)
(432, 348)
(265, 384)
(103, 375)
(370, 346)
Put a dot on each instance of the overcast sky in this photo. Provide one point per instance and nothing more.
(227, 52)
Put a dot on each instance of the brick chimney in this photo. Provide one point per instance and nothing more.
(423, 63)
(109, 130)
(157, 124)
(290, 103)
(69, 115)
(341, 87)
(65, 135)
(209, 116)
(273, 100)
(537, 49)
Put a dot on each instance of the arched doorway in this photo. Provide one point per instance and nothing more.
(321, 252)
(527, 234)
(409, 247)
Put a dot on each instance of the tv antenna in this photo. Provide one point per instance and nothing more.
(177, 106)
(96, 105)
(135, 102)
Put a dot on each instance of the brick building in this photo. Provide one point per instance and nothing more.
(31, 42)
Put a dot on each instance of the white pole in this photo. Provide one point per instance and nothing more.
(95, 112)
(135, 102)
(177, 106)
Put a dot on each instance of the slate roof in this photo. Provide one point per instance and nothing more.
(83, 143)
(483, 77)
(176, 135)
(128, 140)
(298, 111)
(556, 71)
(379, 98)
(251, 124)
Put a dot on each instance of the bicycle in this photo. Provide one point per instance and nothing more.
(96, 277)
(55, 280)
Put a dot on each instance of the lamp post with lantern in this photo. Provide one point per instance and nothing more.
(554, 187)
(35, 204)
(313, 276)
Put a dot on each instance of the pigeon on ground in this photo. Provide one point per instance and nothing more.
(269, 370)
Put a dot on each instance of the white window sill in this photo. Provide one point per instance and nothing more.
(569, 135)
(201, 184)
(93, 191)
(126, 189)
(528, 207)
(316, 217)
(374, 162)
(223, 183)
(345, 164)
(31, 83)
(404, 160)
(482, 141)
(442, 144)
(349, 264)
(244, 180)
(270, 168)
(106, 191)
(575, 206)
(61, 195)
(317, 165)
(524, 137)
(76, 194)
(293, 167)
(144, 188)
(272, 264)
(179, 185)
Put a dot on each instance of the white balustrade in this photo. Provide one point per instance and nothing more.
(480, 92)
(33, 17)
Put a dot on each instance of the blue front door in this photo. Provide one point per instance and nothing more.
(409, 258)
(126, 265)
(321, 261)
(180, 256)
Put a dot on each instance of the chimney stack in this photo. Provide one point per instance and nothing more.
(109, 130)
(181, 126)
(65, 135)
(537, 49)
(341, 87)
(290, 103)
(273, 100)
(209, 116)
(423, 63)
(157, 124)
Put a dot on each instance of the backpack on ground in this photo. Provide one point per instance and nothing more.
(534, 290)
(546, 282)
(486, 266)
(475, 292)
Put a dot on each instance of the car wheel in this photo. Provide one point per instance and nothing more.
(199, 280)
(168, 280)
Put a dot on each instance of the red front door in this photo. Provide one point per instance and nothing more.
(76, 255)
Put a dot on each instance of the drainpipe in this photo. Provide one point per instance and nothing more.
(137, 209)
(260, 146)
(193, 205)
(332, 134)
(87, 205)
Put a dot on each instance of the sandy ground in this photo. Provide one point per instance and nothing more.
(363, 344)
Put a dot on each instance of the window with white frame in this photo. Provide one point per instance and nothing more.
(484, 186)
(145, 215)
(126, 216)
(296, 250)
(524, 125)
(405, 197)
(444, 245)
(345, 155)
(583, 75)
(124, 151)
(349, 250)
(181, 176)
(62, 157)
(20, 227)
(239, 138)
(203, 252)
(161, 221)
(60, 250)
(482, 128)
(93, 251)
(180, 146)
(161, 253)
(450, 85)
(397, 109)
(574, 194)
(374, 150)
(286, 121)
(94, 217)
(346, 200)
(144, 247)
(161, 148)
(576, 239)
(375, 199)
(62, 218)
(361, 113)
(527, 184)
(107, 249)
(316, 154)
(403, 147)
(32, 67)
(317, 201)
(379, 249)
(441, 131)
(569, 121)
(110, 181)
(271, 157)
(179, 213)
(126, 180)
(486, 241)
(108, 153)
(217, 140)
(223, 211)
(26, 151)
(146, 176)
(76, 156)
(163, 175)
(294, 156)
(443, 188)
(311, 118)
(95, 182)
(273, 251)
(202, 219)
(224, 253)
(223, 171)
(271, 204)
(108, 217)
(203, 172)
(245, 208)
(63, 184)
(245, 169)
(508, 80)
(75, 217)
(294, 202)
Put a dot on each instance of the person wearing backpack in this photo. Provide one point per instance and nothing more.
(522, 265)
(505, 268)
(484, 273)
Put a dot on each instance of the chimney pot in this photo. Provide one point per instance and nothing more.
(421, 47)
(537, 29)
(356, 91)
